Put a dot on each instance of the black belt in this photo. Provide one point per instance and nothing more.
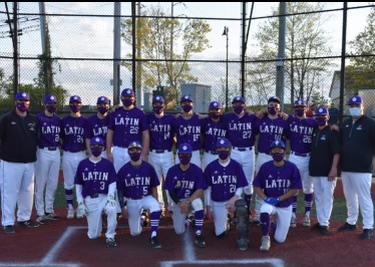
(160, 151)
(243, 148)
(301, 154)
(50, 148)
(94, 196)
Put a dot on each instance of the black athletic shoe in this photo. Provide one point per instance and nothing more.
(316, 226)
(8, 229)
(199, 241)
(28, 224)
(348, 228)
(52, 217)
(367, 234)
(110, 242)
(324, 230)
(154, 242)
(42, 220)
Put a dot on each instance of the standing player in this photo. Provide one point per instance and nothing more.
(187, 128)
(73, 146)
(185, 184)
(276, 183)
(323, 165)
(161, 145)
(97, 124)
(127, 124)
(225, 180)
(138, 183)
(47, 166)
(241, 132)
(271, 127)
(95, 183)
(358, 135)
(19, 138)
(212, 129)
(299, 132)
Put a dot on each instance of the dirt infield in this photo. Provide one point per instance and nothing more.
(65, 243)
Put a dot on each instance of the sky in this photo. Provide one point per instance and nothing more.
(92, 37)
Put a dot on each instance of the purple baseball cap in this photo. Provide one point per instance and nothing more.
(135, 144)
(157, 99)
(96, 141)
(187, 98)
(322, 111)
(223, 142)
(185, 148)
(50, 99)
(75, 98)
(274, 99)
(127, 92)
(278, 143)
(355, 100)
(23, 96)
(215, 105)
(102, 100)
(300, 103)
(238, 99)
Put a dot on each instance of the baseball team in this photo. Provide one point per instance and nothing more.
(123, 163)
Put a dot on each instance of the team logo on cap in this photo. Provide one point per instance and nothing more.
(52, 97)
(75, 98)
(354, 99)
(157, 98)
(215, 104)
(24, 94)
(221, 142)
(320, 110)
(97, 139)
(186, 97)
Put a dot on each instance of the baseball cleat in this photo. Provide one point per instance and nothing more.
(348, 228)
(265, 244)
(52, 216)
(70, 214)
(42, 220)
(8, 229)
(306, 221)
(28, 224)
(293, 222)
(154, 242)
(111, 243)
(80, 215)
(324, 230)
(243, 244)
(199, 241)
(316, 226)
(367, 234)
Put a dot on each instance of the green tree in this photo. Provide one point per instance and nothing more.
(163, 47)
(360, 73)
(305, 39)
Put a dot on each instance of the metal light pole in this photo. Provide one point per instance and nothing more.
(226, 30)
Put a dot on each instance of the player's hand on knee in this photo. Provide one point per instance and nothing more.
(272, 200)
(82, 209)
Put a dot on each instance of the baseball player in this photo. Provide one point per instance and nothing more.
(47, 166)
(276, 183)
(299, 132)
(225, 180)
(186, 184)
(270, 128)
(358, 142)
(125, 125)
(324, 160)
(138, 183)
(19, 132)
(241, 132)
(97, 124)
(95, 183)
(212, 129)
(74, 149)
(187, 128)
(161, 146)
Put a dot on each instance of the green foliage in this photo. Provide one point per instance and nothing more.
(165, 44)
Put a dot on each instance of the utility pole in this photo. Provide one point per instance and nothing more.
(46, 50)
(117, 53)
(226, 30)
(280, 63)
(15, 48)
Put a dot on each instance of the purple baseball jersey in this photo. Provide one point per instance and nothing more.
(96, 127)
(188, 131)
(241, 132)
(185, 183)
(50, 129)
(269, 131)
(224, 181)
(276, 181)
(127, 126)
(299, 132)
(211, 131)
(95, 177)
(137, 182)
(161, 132)
(73, 133)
